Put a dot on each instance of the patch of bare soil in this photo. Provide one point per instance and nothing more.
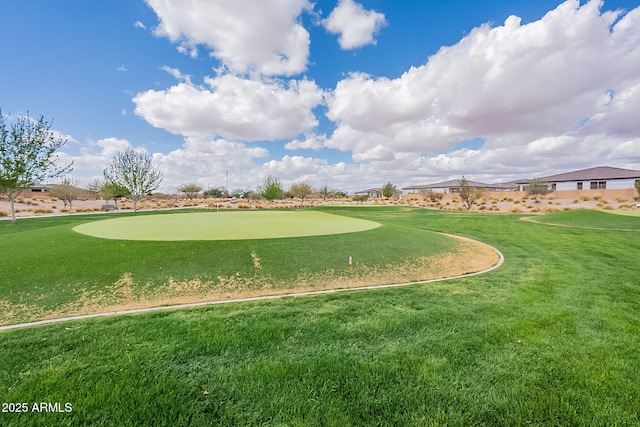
(126, 294)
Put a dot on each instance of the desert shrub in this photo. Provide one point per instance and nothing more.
(515, 209)
(607, 207)
(575, 201)
(481, 208)
(621, 199)
(585, 198)
(4, 214)
(64, 210)
(535, 210)
(42, 211)
(551, 209)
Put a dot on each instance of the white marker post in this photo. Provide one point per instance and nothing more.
(350, 260)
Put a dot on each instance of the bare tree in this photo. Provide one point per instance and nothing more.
(66, 191)
(300, 190)
(27, 156)
(135, 172)
(469, 195)
(325, 193)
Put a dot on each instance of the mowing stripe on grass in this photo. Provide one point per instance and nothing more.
(232, 225)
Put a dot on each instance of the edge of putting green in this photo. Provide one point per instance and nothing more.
(227, 225)
(623, 213)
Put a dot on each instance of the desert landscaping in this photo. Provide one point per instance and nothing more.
(41, 204)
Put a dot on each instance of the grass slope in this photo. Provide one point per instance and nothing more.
(550, 338)
(53, 271)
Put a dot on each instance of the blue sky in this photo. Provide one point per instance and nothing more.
(348, 93)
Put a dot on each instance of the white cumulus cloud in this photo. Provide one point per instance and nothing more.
(245, 35)
(233, 108)
(310, 142)
(355, 25)
(546, 88)
(207, 161)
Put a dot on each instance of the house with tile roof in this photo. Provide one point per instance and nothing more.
(597, 178)
(374, 193)
(451, 186)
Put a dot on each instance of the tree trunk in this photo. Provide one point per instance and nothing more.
(13, 208)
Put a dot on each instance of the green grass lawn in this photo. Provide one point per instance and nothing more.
(625, 213)
(550, 338)
(225, 225)
(54, 271)
(592, 219)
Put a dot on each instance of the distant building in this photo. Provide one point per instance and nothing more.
(374, 193)
(598, 178)
(452, 186)
(38, 188)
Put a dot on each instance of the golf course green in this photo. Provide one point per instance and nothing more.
(224, 226)
(548, 339)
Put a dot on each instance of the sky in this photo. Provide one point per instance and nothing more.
(350, 94)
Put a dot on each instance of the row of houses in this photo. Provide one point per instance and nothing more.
(597, 178)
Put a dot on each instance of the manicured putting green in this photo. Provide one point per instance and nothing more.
(224, 225)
